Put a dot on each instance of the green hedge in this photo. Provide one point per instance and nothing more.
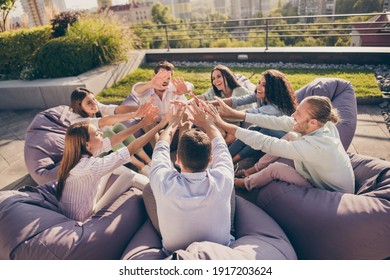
(17, 50)
(88, 43)
(63, 57)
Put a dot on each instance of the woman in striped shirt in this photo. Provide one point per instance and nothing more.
(83, 175)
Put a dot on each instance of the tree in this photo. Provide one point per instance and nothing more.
(160, 14)
(5, 7)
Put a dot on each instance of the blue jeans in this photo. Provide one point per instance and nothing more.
(244, 151)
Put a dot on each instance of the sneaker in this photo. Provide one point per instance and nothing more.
(145, 170)
(239, 173)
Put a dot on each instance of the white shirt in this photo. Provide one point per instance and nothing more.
(318, 156)
(193, 206)
(104, 109)
(79, 195)
(163, 104)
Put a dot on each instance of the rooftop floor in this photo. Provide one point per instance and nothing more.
(372, 138)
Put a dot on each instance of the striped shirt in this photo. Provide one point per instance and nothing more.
(83, 187)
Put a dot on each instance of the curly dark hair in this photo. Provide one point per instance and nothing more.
(279, 91)
(227, 75)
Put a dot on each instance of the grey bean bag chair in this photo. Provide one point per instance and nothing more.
(31, 227)
(328, 225)
(257, 237)
(44, 143)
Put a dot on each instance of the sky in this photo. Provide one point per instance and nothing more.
(70, 4)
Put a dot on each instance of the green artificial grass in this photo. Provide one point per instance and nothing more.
(363, 81)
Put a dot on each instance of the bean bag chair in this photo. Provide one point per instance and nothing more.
(257, 237)
(330, 225)
(342, 95)
(32, 227)
(44, 143)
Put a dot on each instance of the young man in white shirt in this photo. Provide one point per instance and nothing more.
(194, 204)
(163, 88)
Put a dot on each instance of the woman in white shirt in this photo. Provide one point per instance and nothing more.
(225, 84)
(108, 118)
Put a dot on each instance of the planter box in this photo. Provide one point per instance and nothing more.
(48, 93)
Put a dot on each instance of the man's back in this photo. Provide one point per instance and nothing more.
(193, 206)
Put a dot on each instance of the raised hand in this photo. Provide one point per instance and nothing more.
(224, 110)
(150, 116)
(180, 86)
(160, 80)
(144, 108)
(197, 110)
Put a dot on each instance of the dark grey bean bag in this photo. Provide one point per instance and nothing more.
(31, 227)
(330, 225)
(44, 143)
(257, 237)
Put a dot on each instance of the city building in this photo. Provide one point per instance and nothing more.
(242, 9)
(132, 12)
(221, 6)
(35, 10)
(103, 4)
(316, 7)
(179, 8)
(386, 5)
(40, 12)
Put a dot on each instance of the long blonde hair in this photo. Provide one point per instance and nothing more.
(76, 139)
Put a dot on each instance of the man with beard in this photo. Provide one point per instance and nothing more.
(318, 154)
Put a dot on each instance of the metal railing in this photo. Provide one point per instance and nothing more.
(268, 31)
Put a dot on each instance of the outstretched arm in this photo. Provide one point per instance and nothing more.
(139, 113)
(144, 139)
(174, 122)
(216, 117)
(149, 118)
(227, 112)
(123, 109)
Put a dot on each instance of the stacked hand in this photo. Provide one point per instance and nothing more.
(150, 115)
(144, 108)
(223, 109)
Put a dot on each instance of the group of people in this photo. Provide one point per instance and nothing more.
(214, 130)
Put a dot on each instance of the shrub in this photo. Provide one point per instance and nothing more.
(104, 37)
(64, 57)
(61, 22)
(17, 50)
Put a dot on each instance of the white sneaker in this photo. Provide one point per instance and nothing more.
(145, 170)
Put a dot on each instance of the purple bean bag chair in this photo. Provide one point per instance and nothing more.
(329, 225)
(258, 237)
(44, 143)
(33, 228)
